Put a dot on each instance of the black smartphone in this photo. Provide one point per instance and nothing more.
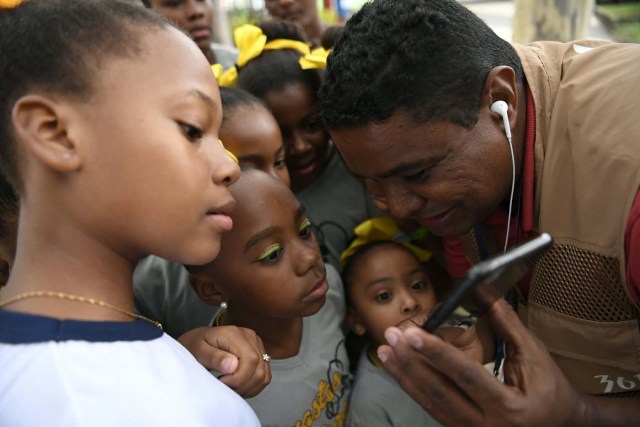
(489, 280)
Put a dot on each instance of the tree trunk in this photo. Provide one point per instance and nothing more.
(559, 20)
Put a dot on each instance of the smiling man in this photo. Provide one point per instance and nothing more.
(488, 145)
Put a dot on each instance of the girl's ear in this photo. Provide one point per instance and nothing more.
(42, 125)
(354, 322)
(206, 288)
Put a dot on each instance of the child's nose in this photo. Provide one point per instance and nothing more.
(409, 303)
(308, 259)
(195, 9)
(225, 170)
(297, 145)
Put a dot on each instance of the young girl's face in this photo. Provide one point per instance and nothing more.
(195, 17)
(252, 134)
(302, 12)
(388, 287)
(305, 139)
(155, 177)
(270, 264)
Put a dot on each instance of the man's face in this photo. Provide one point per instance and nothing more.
(442, 175)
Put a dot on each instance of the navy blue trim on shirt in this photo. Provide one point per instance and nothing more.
(23, 328)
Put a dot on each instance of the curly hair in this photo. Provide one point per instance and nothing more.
(428, 58)
(56, 47)
(275, 69)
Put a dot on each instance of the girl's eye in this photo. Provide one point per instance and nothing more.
(279, 163)
(191, 132)
(416, 176)
(305, 228)
(383, 296)
(271, 254)
(418, 285)
(313, 125)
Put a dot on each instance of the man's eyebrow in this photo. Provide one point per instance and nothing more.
(403, 168)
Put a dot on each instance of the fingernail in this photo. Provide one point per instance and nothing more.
(391, 337)
(414, 341)
(382, 357)
(227, 365)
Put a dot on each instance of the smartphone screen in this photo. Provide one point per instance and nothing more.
(489, 280)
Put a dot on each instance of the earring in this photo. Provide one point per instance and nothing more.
(224, 305)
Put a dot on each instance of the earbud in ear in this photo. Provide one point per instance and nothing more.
(501, 108)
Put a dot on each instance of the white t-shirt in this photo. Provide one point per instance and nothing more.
(77, 373)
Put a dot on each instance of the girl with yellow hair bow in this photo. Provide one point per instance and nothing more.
(277, 66)
(252, 42)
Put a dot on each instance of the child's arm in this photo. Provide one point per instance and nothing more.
(234, 352)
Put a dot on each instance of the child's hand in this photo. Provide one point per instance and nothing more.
(465, 339)
(236, 353)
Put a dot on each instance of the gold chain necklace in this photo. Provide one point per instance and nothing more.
(62, 295)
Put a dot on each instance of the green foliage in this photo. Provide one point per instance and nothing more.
(622, 20)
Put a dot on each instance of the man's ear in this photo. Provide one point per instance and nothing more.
(354, 322)
(207, 289)
(42, 125)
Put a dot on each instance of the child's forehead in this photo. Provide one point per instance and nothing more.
(256, 191)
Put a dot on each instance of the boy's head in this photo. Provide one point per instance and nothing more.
(290, 93)
(270, 264)
(252, 134)
(385, 284)
(106, 136)
(195, 17)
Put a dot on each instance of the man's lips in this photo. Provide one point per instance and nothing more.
(435, 220)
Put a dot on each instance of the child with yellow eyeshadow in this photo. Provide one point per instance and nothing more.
(271, 278)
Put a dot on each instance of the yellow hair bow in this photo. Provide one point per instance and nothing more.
(315, 60)
(233, 156)
(9, 4)
(251, 42)
(379, 229)
(217, 71)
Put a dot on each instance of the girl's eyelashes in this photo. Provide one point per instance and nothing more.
(418, 285)
(383, 296)
(192, 133)
(271, 254)
(279, 163)
(305, 228)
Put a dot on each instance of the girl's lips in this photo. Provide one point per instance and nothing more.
(319, 290)
(200, 33)
(224, 222)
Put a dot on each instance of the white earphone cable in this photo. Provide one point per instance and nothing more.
(513, 185)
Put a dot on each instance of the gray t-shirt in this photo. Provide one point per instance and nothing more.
(378, 401)
(311, 388)
(162, 292)
(336, 203)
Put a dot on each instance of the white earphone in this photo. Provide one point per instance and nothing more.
(502, 108)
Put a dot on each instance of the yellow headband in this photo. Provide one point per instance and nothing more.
(379, 229)
(8, 4)
(251, 42)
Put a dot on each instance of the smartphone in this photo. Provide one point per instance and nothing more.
(489, 280)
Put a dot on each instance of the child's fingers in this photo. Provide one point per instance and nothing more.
(252, 373)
